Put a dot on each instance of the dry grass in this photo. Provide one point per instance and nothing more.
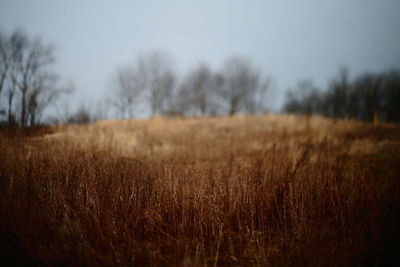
(259, 190)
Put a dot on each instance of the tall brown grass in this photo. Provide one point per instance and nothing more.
(267, 190)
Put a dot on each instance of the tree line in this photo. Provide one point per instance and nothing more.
(28, 86)
(151, 79)
(367, 97)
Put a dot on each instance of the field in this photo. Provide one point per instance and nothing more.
(245, 190)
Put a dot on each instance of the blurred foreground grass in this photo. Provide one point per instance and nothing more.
(244, 190)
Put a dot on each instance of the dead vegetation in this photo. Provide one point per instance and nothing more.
(254, 190)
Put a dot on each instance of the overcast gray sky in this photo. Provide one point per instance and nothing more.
(289, 40)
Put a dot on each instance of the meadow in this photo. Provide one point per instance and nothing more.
(267, 190)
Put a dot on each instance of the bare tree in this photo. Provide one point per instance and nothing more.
(159, 81)
(255, 100)
(338, 94)
(306, 99)
(9, 47)
(4, 59)
(127, 86)
(243, 86)
(200, 85)
(24, 72)
(181, 103)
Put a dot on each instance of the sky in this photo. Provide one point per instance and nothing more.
(289, 40)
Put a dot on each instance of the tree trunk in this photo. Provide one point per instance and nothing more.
(11, 119)
(2, 79)
(23, 109)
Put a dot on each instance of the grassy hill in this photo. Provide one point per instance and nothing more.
(243, 190)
